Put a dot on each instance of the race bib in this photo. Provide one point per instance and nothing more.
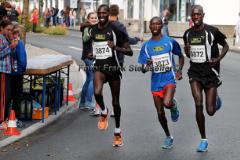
(161, 63)
(101, 50)
(198, 53)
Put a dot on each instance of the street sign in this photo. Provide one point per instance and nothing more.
(73, 3)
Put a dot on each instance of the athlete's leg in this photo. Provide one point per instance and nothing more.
(198, 98)
(168, 97)
(211, 94)
(161, 114)
(170, 103)
(99, 79)
(115, 90)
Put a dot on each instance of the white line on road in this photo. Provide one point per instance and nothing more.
(76, 48)
(80, 49)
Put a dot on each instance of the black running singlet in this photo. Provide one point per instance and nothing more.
(106, 58)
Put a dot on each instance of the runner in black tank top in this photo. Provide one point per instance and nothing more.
(107, 41)
(201, 47)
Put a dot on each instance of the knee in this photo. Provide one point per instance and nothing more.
(97, 92)
(167, 103)
(211, 111)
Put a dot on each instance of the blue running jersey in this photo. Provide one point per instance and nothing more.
(163, 67)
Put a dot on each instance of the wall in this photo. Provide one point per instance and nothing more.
(220, 12)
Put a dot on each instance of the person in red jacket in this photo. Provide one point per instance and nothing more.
(34, 19)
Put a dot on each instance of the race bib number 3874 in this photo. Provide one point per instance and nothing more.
(198, 53)
(101, 50)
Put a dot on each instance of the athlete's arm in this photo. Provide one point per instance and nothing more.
(180, 67)
(186, 45)
(125, 49)
(220, 39)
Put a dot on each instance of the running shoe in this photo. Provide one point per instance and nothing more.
(112, 114)
(168, 143)
(218, 103)
(96, 112)
(203, 146)
(103, 121)
(117, 140)
(174, 111)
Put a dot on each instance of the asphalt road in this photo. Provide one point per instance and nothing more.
(76, 137)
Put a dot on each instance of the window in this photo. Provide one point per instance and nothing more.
(130, 9)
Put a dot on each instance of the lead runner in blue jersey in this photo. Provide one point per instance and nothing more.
(157, 55)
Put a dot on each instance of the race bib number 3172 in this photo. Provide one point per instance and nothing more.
(101, 50)
(198, 53)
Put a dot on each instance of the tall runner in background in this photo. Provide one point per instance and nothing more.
(107, 42)
(157, 55)
(201, 46)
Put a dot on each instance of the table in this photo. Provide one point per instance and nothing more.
(46, 66)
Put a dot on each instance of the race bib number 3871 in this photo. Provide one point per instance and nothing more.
(101, 50)
(161, 63)
(198, 53)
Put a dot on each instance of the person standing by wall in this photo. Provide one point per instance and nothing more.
(34, 18)
(237, 29)
(165, 18)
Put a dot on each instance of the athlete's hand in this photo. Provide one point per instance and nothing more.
(178, 75)
(187, 50)
(111, 44)
(90, 55)
(149, 62)
(213, 61)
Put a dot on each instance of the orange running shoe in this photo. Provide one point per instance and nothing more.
(117, 141)
(103, 121)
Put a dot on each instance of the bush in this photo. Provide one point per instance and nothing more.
(58, 30)
(40, 29)
(28, 26)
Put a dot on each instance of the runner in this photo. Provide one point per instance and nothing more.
(107, 41)
(201, 46)
(157, 55)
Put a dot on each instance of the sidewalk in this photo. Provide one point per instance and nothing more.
(76, 78)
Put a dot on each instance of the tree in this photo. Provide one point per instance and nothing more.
(25, 17)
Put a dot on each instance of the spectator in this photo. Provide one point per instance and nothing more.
(237, 29)
(5, 70)
(14, 14)
(19, 63)
(3, 13)
(165, 18)
(72, 15)
(34, 18)
(82, 14)
(7, 7)
(66, 16)
(54, 15)
(47, 17)
(113, 18)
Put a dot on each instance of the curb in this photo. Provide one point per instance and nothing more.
(33, 128)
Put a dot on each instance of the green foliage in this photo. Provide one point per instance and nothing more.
(40, 29)
(28, 25)
(58, 30)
